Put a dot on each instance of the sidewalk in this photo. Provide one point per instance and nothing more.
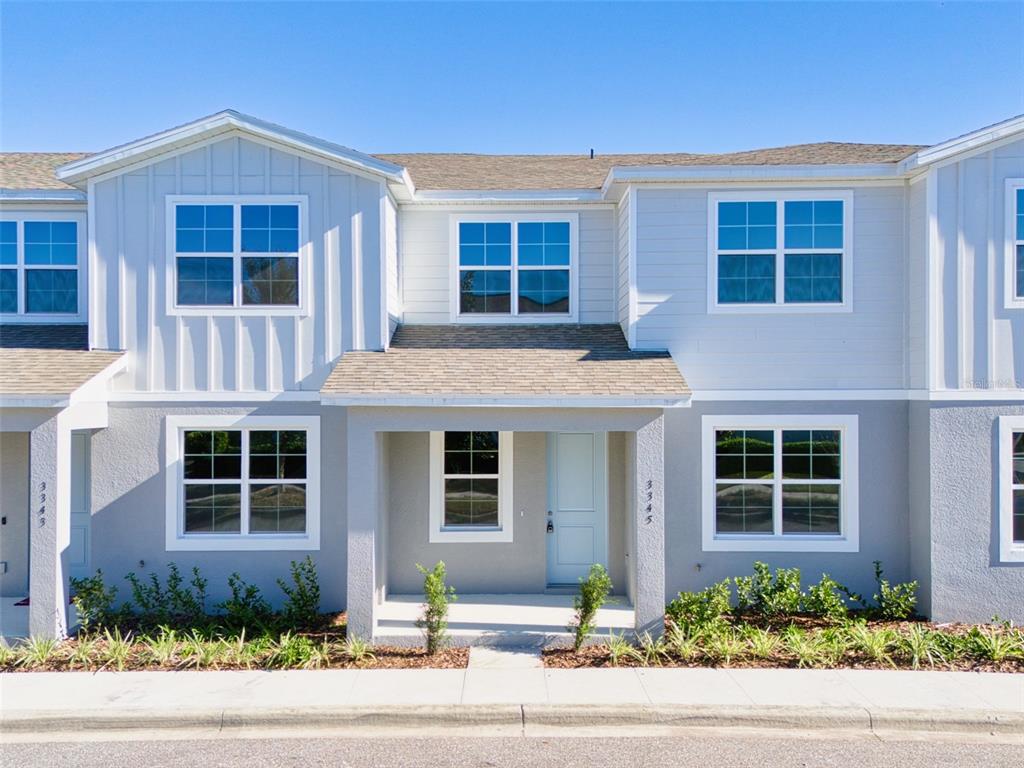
(517, 698)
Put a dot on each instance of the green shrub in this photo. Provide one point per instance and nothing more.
(826, 599)
(894, 602)
(699, 610)
(93, 602)
(302, 597)
(593, 592)
(766, 596)
(246, 606)
(175, 603)
(437, 594)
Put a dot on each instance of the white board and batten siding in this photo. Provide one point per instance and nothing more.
(246, 351)
(976, 339)
(426, 261)
(862, 349)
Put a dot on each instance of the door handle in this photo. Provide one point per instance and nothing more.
(551, 527)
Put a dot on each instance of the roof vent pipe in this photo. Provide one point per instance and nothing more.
(591, 153)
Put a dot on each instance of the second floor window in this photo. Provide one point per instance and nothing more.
(236, 254)
(779, 252)
(39, 267)
(515, 268)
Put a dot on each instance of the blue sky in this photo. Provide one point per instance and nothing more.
(497, 77)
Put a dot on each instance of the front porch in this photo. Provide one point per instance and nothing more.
(499, 620)
(563, 489)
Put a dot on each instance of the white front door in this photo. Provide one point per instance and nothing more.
(577, 521)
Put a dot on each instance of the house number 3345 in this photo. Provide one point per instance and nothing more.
(41, 508)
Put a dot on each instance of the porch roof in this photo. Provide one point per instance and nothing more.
(38, 359)
(507, 364)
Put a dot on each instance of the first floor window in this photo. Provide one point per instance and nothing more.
(39, 267)
(470, 486)
(1011, 488)
(236, 254)
(772, 484)
(247, 481)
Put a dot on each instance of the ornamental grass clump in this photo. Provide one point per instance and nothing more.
(593, 592)
(437, 594)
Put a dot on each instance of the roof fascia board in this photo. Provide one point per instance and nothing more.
(918, 170)
(96, 389)
(540, 401)
(728, 173)
(43, 195)
(32, 401)
(504, 206)
(1006, 131)
(215, 125)
(509, 195)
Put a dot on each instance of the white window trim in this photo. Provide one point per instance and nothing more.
(781, 197)
(848, 539)
(1009, 550)
(1013, 301)
(514, 316)
(21, 316)
(178, 541)
(438, 534)
(305, 255)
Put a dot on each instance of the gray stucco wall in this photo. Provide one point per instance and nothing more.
(968, 581)
(884, 521)
(481, 568)
(14, 508)
(128, 503)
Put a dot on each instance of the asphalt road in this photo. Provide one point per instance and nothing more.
(707, 750)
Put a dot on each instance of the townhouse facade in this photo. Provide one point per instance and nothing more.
(230, 345)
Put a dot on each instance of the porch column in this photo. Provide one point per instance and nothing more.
(49, 528)
(649, 528)
(363, 492)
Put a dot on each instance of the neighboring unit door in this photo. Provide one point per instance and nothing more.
(14, 514)
(577, 505)
(79, 547)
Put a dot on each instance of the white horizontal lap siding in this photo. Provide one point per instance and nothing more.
(917, 285)
(247, 352)
(861, 349)
(425, 262)
(975, 336)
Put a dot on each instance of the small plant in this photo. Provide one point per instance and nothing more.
(162, 648)
(246, 606)
(7, 655)
(302, 597)
(593, 592)
(894, 602)
(175, 603)
(806, 647)
(993, 644)
(358, 650)
(437, 594)
(700, 609)
(767, 596)
(682, 643)
(291, 651)
(117, 649)
(652, 650)
(921, 645)
(761, 643)
(37, 652)
(83, 652)
(875, 645)
(826, 599)
(725, 645)
(620, 649)
(93, 601)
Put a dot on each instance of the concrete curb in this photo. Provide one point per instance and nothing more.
(521, 717)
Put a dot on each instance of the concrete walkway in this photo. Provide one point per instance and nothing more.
(516, 697)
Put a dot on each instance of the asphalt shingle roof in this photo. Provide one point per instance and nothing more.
(453, 171)
(38, 359)
(520, 361)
